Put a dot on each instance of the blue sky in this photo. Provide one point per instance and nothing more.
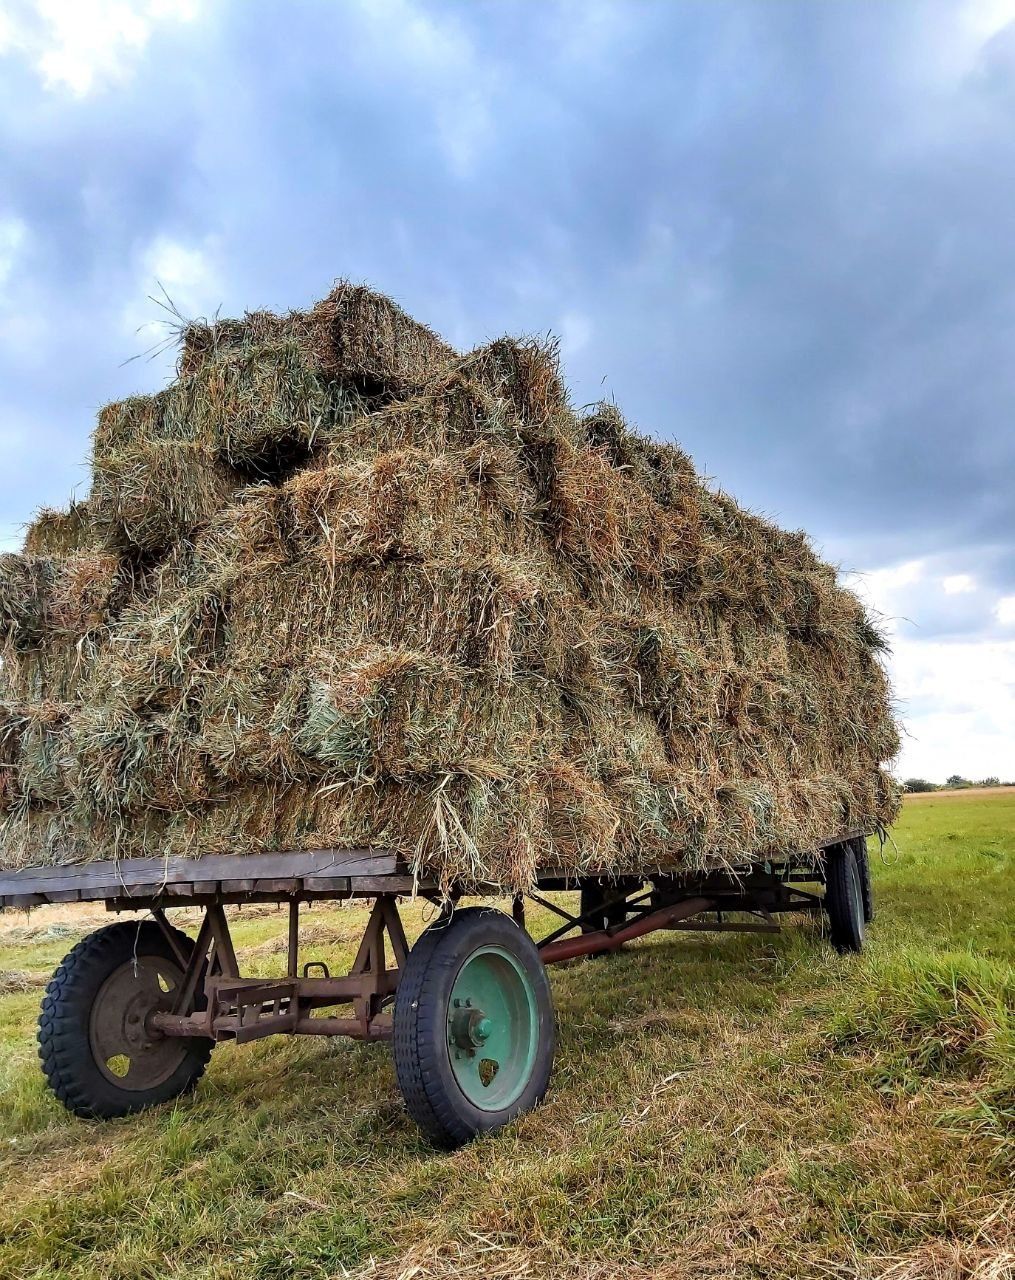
(779, 233)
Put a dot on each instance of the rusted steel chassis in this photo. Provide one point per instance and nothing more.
(215, 1001)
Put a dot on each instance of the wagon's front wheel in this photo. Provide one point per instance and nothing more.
(473, 1034)
(96, 1048)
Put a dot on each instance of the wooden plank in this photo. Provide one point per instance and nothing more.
(212, 866)
(364, 886)
(99, 879)
(132, 888)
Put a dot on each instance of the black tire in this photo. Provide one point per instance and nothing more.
(598, 911)
(128, 961)
(844, 898)
(863, 866)
(423, 1008)
(602, 906)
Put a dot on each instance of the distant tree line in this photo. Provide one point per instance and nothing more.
(955, 783)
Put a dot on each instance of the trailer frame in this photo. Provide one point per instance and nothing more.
(209, 1000)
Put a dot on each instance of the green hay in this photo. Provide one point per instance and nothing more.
(461, 622)
(25, 583)
(165, 465)
(454, 413)
(355, 337)
(59, 533)
(35, 755)
(154, 492)
(365, 715)
(53, 614)
(526, 375)
(130, 764)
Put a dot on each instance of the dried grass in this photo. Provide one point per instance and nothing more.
(354, 336)
(58, 533)
(457, 620)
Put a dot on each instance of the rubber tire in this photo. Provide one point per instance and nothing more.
(63, 1035)
(863, 866)
(420, 1045)
(594, 895)
(844, 898)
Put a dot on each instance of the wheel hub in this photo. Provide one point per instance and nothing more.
(470, 1028)
(126, 1051)
(492, 1028)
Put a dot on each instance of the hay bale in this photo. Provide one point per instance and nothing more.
(151, 493)
(59, 533)
(53, 612)
(365, 340)
(25, 583)
(266, 407)
(525, 374)
(370, 713)
(35, 757)
(355, 337)
(129, 763)
(457, 619)
(411, 504)
(662, 470)
(164, 465)
(10, 750)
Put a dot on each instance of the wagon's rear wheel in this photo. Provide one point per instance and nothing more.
(844, 898)
(863, 866)
(473, 1035)
(98, 1054)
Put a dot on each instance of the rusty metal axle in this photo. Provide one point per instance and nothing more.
(603, 940)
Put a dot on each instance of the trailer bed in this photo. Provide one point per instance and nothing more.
(230, 877)
(133, 1010)
(252, 877)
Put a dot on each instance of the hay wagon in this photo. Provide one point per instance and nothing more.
(131, 1015)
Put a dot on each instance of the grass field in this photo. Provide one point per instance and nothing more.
(727, 1106)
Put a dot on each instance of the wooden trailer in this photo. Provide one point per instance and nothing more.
(132, 1013)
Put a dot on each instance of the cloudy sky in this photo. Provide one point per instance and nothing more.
(782, 234)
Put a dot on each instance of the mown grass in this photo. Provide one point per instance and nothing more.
(749, 1106)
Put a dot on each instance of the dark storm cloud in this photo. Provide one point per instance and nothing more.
(781, 234)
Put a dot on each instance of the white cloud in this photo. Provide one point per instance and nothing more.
(433, 53)
(958, 704)
(13, 234)
(983, 19)
(8, 33)
(576, 331)
(177, 275)
(77, 45)
(883, 589)
(877, 583)
(956, 695)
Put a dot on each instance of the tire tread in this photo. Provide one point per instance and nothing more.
(61, 1045)
(417, 1036)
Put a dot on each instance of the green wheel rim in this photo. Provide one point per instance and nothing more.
(493, 1029)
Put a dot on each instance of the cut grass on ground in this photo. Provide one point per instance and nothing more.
(749, 1106)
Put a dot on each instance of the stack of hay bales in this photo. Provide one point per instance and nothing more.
(338, 586)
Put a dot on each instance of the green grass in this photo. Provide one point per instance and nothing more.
(749, 1106)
